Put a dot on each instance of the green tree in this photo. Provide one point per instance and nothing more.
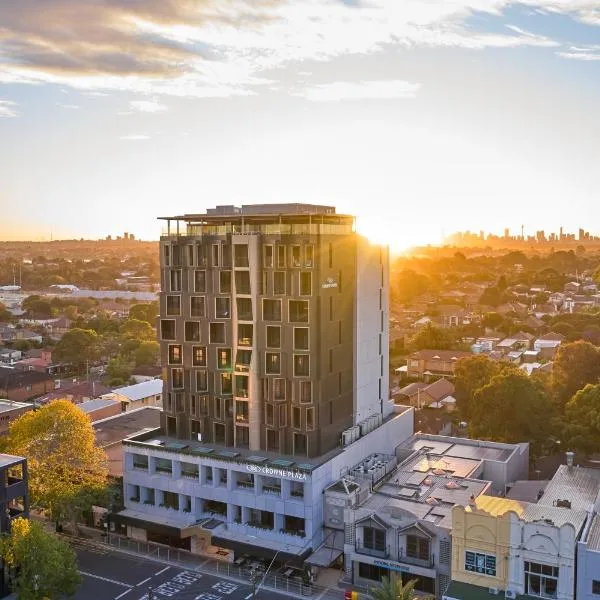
(60, 446)
(575, 365)
(37, 307)
(470, 374)
(492, 296)
(492, 320)
(582, 420)
(118, 371)
(44, 566)
(77, 346)
(139, 330)
(432, 337)
(392, 588)
(145, 312)
(512, 408)
(147, 354)
(5, 314)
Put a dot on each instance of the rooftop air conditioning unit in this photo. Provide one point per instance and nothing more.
(511, 594)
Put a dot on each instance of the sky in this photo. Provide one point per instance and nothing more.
(422, 117)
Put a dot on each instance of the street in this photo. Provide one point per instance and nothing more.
(109, 575)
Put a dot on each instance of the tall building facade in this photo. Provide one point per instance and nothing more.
(273, 327)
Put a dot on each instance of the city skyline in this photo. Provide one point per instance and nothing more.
(420, 118)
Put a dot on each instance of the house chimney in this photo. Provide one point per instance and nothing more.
(570, 456)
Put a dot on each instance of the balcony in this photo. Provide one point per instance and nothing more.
(377, 552)
(272, 489)
(427, 563)
(248, 485)
(297, 493)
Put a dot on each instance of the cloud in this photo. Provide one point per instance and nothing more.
(7, 109)
(346, 90)
(211, 48)
(149, 106)
(68, 106)
(135, 137)
(589, 52)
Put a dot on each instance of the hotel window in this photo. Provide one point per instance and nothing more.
(310, 419)
(219, 438)
(541, 580)
(301, 365)
(305, 392)
(242, 282)
(298, 311)
(272, 440)
(596, 587)
(241, 411)
(417, 547)
(281, 257)
(176, 378)
(282, 415)
(176, 256)
(242, 437)
(173, 305)
(226, 255)
(167, 329)
(201, 256)
(192, 331)
(244, 309)
(478, 562)
(217, 333)
(296, 423)
(245, 334)
(309, 256)
(272, 363)
(241, 255)
(268, 256)
(243, 359)
(224, 358)
(226, 384)
(330, 255)
(273, 336)
(175, 280)
(199, 356)
(301, 335)
(279, 388)
(269, 414)
(300, 445)
(305, 283)
(331, 308)
(241, 386)
(220, 408)
(271, 310)
(222, 307)
(167, 254)
(201, 381)
(215, 255)
(279, 283)
(374, 539)
(175, 354)
(203, 405)
(197, 306)
(200, 282)
(295, 259)
(225, 282)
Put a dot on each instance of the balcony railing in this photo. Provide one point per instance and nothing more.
(297, 493)
(427, 563)
(272, 489)
(245, 484)
(377, 552)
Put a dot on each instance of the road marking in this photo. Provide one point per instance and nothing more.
(121, 595)
(145, 581)
(161, 571)
(127, 585)
(248, 597)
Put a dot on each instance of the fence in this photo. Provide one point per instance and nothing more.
(273, 581)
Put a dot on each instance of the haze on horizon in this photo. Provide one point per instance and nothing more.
(422, 118)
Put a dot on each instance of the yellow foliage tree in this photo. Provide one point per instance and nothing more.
(63, 459)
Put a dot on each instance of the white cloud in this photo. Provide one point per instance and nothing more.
(7, 109)
(68, 106)
(135, 137)
(586, 56)
(362, 90)
(149, 106)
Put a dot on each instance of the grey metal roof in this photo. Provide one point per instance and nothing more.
(558, 516)
(579, 485)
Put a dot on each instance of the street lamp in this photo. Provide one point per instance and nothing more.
(254, 577)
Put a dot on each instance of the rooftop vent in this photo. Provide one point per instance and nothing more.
(563, 503)
(452, 485)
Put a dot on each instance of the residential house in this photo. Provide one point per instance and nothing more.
(75, 391)
(420, 394)
(451, 315)
(573, 287)
(146, 373)
(547, 308)
(434, 363)
(10, 411)
(56, 328)
(146, 393)
(548, 344)
(8, 356)
(19, 385)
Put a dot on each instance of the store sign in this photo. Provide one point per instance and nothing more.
(391, 566)
(276, 472)
(329, 283)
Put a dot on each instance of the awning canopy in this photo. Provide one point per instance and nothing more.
(329, 551)
(259, 551)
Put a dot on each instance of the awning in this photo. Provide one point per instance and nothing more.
(329, 551)
(163, 526)
(259, 551)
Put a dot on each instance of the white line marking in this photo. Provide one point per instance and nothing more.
(121, 595)
(106, 579)
(161, 571)
(248, 597)
(145, 580)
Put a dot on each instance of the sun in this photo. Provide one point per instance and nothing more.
(392, 233)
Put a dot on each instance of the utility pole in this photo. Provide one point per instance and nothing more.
(150, 594)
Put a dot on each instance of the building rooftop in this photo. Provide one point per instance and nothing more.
(6, 460)
(117, 428)
(138, 391)
(75, 391)
(6, 405)
(445, 355)
(577, 485)
(527, 490)
(16, 378)
(96, 403)
(593, 536)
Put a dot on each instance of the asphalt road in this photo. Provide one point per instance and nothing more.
(109, 575)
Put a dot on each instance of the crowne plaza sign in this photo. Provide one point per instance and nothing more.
(273, 472)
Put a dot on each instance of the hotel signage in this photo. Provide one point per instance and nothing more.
(329, 283)
(271, 471)
(391, 566)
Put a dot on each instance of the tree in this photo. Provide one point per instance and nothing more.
(5, 314)
(147, 354)
(77, 346)
(44, 566)
(492, 296)
(139, 330)
(60, 445)
(118, 371)
(144, 312)
(582, 420)
(432, 337)
(470, 374)
(575, 365)
(512, 408)
(492, 320)
(392, 588)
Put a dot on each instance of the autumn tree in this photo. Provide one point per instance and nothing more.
(575, 365)
(145, 312)
(77, 346)
(512, 408)
(138, 330)
(60, 446)
(44, 567)
(470, 374)
(582, 420)
(432, 337)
